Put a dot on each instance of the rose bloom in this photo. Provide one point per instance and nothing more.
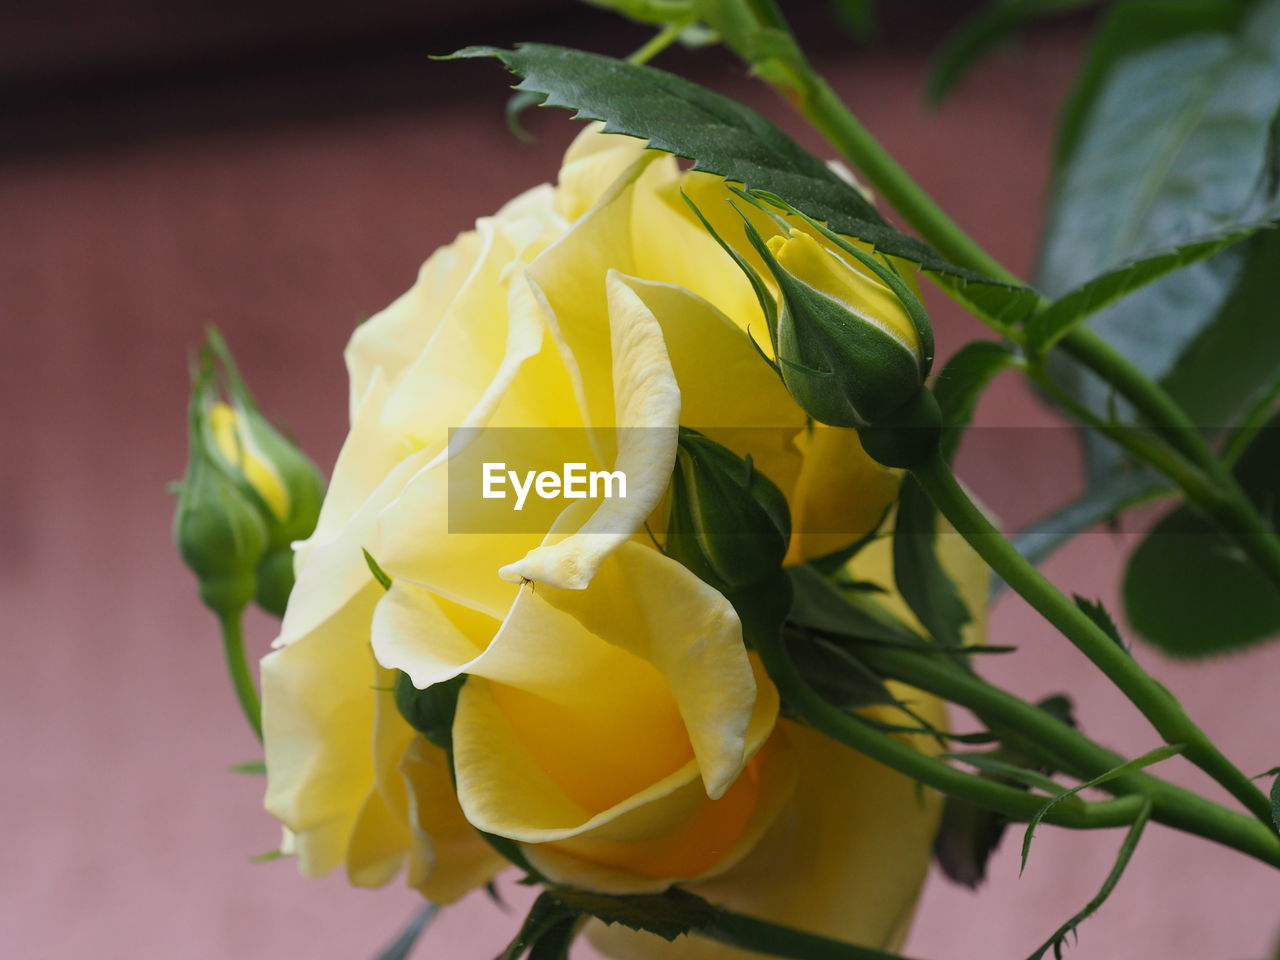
(612, 721)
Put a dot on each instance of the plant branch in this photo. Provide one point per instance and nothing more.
(238, 669)
(1035, 731)
(1014, 803)
(1155, 702)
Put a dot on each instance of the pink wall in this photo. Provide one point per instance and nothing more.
(125, 835)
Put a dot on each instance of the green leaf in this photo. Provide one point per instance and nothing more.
(403, 944)
(1235, 356)
(837, 675)
(726, 138)
(1140, 191)
(378, 573)
(980, 34)
(1275, 802)
(1131, 766)
(1130, 28)
(1189, 589)
(268, 857)
(1105, 500)
(545, 917)
(668, 915)
(924, 584)
(517, 104)
(554, 944)
(255, 767)
(990, 763)
(1046, 328)
(1125, 853)
(968, 833)
(430, 711)
(959, 386)
(1095, 611)
(818, 605)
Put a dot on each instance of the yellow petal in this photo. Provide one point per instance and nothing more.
(448, 858)
(844, 279)
(672, 246)
(646, 404)
(845, 858)
(236, 445)
(591, 165)
(428, 637)
(318, 722)
(438, 532)
(380, 839)
(685, 834)
(372, 469)
(454, 282)
(840, 496)
(677, 249)
(972, 577)
(653, 608)
(570, 278)
(591, 703)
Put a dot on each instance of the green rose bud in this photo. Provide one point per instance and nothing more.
(219, 531)
(269, 469)
(847, 349)
(727, 522)
(851, 338)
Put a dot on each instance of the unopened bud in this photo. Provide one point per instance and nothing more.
(847, 349)
(219, 532)
(728, 523)
(276, 476)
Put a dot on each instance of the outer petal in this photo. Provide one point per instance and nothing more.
(840, 496)
(646, 402)
(589, 704)
(744, 406)
(318, 717)
(449, 858)
(450, 282)
(672, 246)
(380, 838)
(844, 859)
(591, 165)
(684, 834)
(653, 608)
(416, 537)
(372, 469)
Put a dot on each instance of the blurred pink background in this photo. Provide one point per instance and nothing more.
(286, 224)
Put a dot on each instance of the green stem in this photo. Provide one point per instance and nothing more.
(1217, 495)
(761, 936)
(238, 668)
(1028, 727)
(1014, 803)
(1139, 441)
(1156, 703)
(826, 111)
(1227, 505)
(659, 42)
(1251, 424)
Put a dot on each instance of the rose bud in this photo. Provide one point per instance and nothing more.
(276, 476)
(219, 532)
(727, 522)
(850, 337)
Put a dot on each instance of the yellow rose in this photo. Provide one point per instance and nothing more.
(612, 721)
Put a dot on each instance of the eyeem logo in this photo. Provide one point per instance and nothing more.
(573, 482)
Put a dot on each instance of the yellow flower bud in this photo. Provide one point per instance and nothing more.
(236, 444)
(847, 282)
